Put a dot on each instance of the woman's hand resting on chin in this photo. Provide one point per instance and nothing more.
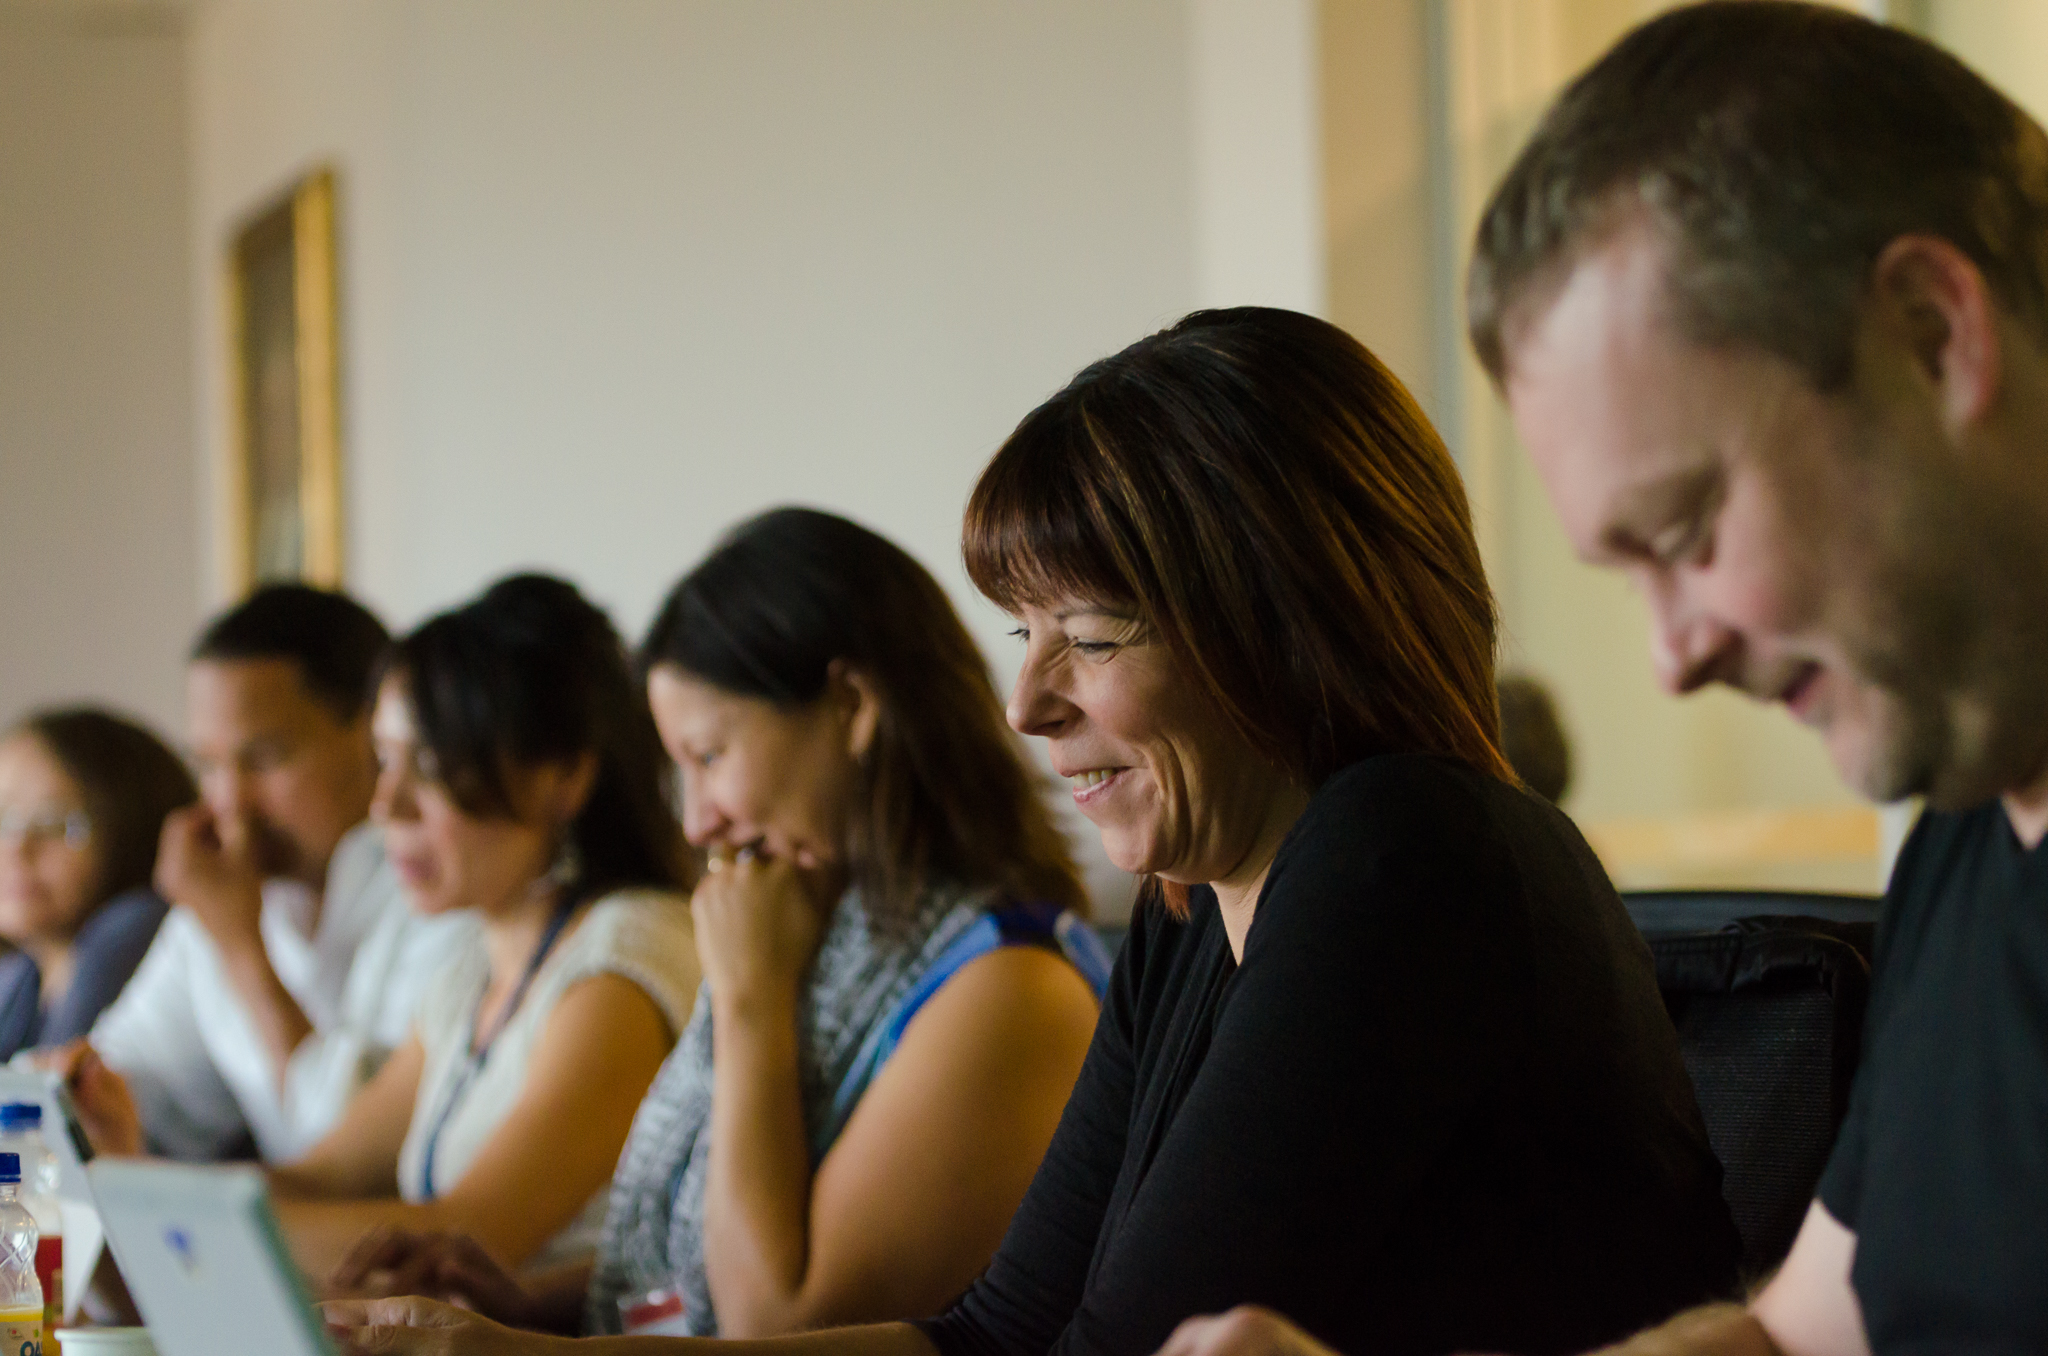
(758, 922)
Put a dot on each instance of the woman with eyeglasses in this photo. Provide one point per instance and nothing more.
(83, 798)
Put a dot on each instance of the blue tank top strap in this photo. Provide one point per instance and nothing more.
(1040, 924)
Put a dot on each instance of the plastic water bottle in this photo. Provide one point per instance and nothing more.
(21, 1295)
(21, 1132)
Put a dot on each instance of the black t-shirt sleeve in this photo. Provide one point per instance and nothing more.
(1943, 1174)
(1841, 1182)
(1029, 1292)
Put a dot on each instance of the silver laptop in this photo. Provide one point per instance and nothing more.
(205, 1264)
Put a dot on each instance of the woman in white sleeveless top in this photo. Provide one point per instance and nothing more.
(520, 779)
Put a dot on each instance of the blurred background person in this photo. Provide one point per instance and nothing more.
(1532, 736)
(520, 781)
(899, 988)
(290, 966)
(83, 798)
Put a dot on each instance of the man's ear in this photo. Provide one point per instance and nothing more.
(1935, 300)
(855, 694)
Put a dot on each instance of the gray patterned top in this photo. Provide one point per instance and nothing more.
(653, 1230)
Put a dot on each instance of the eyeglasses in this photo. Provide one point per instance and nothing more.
(35, 827)
(415, 761)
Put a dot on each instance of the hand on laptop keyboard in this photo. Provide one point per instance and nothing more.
(446, 1266)
(422, 1327)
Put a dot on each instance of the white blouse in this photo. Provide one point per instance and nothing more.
(641, 935)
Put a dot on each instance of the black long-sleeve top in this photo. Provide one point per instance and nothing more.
(1438, 1107)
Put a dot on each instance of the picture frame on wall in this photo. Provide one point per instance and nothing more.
(282, 478)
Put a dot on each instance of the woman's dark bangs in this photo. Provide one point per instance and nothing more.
(1033, 533)
(456, 725)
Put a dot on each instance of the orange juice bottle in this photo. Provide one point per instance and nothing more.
(21, 1132)
(21, 1331)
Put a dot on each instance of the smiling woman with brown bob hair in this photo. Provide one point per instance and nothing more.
(1389, 1057)
(1273, 503)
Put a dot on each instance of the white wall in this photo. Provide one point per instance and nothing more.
(98, 553)
(1376, 200)
(1260, 237)
(2002, 40)
(617, 275)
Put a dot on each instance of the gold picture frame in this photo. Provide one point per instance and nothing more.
(282, 478)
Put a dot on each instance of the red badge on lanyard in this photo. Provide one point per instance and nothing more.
(658, 1313)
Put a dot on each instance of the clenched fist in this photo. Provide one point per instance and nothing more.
(207, 865)
(758, 924)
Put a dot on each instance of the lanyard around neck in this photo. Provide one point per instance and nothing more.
(479, 1051)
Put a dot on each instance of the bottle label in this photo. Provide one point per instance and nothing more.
(50, 1271)
(21, 1332)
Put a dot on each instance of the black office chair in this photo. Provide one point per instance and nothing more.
(1663, 913)
(1769, 1012)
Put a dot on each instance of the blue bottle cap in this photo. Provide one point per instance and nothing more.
(21, 1116)
(10, 1169)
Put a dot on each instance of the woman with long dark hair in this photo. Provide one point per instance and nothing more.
(897, 982)
(521, 781)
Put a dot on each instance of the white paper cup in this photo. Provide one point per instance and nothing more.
(105, 1342)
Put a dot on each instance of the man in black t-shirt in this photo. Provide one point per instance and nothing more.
(1767, 295)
